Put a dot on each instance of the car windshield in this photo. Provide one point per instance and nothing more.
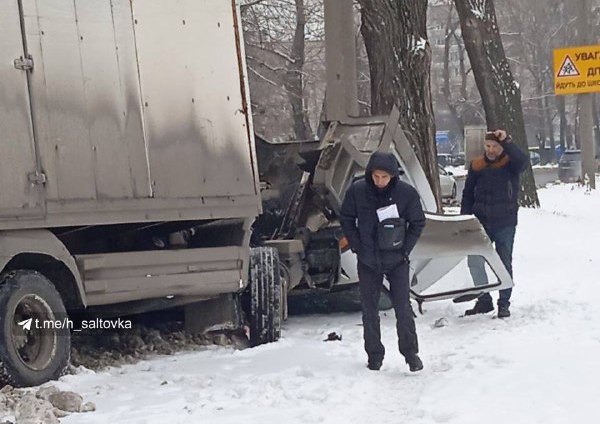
(443, 159)
(571, 156)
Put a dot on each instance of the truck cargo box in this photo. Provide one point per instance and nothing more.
(128, 175)
(118, 111)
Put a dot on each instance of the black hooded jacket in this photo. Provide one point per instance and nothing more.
(358, 215)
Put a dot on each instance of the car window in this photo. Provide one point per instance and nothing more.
(571, 156)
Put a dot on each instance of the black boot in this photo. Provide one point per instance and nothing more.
(374, 364)
(482, 306)
(414, 363)
(503, 311)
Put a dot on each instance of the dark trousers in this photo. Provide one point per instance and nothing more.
(503, 239)
(370, 284)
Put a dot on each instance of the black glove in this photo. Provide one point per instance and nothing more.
(405, 258)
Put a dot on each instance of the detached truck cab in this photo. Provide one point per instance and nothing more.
(128, 175)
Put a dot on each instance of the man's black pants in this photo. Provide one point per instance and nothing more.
(370, 284)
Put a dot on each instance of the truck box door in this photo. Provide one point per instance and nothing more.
(86, 101)
(197, 131)
(454, 259)
(22, 189)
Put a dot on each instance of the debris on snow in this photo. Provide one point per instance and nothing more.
(333, 337)
(441, 322)
(99, 350)
(44, 405)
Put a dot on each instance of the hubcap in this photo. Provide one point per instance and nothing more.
(33, 344)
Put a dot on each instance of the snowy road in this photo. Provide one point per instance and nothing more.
(540, 366)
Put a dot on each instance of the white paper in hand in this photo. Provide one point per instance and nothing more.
(390, 211)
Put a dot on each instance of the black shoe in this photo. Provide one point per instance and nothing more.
(503, 311)
(414, 363)
(374, 364)
(481, 307)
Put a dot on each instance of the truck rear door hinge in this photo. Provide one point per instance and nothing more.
(37, 178)
(24, 63)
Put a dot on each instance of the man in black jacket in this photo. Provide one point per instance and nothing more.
(491, 192)
(381, 188)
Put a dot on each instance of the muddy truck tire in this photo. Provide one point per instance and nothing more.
(265, 297)
(29, 354)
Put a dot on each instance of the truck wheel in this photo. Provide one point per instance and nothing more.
(265, 296)
(30, 354)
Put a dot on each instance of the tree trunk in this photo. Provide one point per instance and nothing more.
(450, 31)
(499, 92)
(399, 55)
(294, 81)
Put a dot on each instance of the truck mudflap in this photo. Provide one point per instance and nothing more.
(454, 259)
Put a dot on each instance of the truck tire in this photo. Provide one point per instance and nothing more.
(29, 357)
(265, 296)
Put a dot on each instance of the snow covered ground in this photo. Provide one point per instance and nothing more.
(539, 366)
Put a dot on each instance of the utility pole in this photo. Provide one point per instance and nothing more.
(586, 123)
(341, 98)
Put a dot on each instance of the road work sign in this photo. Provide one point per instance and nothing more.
(577, 70)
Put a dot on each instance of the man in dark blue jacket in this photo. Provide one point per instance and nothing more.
(491, 192)
(364, 228)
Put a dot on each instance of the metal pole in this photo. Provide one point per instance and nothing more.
(586, 122)
(586, 136)
(341, 99)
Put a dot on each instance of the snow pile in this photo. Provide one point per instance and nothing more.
(42, 406)
(547, 166)
(97, 350)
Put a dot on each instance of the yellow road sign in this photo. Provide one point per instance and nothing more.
(577, 70)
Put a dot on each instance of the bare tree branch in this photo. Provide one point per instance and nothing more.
(262, 77)
(249, 5)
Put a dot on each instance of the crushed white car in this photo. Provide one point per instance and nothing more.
(300, 216)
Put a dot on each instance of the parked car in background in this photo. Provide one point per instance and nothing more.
(534, 158)
(569, 166)
(447, 183)
(444, 159)
(458, 159)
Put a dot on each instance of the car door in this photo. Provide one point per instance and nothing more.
(445, 182)
(454, 257)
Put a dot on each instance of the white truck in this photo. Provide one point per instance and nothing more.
(128, 176)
